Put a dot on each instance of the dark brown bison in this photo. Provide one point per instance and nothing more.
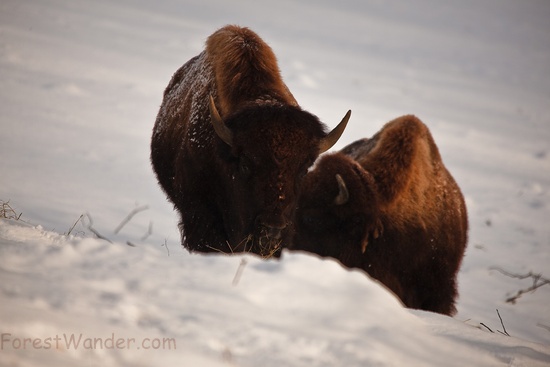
(389, 206)
(230, 146)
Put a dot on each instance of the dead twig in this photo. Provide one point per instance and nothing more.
(75, 223)
(503, 327)
(239, 272)
(130, 216)
(242, 264)
(538, 281)
(149, 232)
(166, 245)
(7, 212)
(91, 229)
(501, 322)
(488, 328)
(98, 235)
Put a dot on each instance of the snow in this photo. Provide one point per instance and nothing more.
(301, 311)
(81, 86)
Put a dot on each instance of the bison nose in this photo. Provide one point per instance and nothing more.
(273, 232)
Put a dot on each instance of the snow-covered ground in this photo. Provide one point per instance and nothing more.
(81, 85)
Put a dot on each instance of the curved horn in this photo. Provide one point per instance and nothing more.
(343, 194)
(328, 141)
(219, 126)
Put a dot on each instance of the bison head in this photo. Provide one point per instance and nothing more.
(267, 150)
(337, 209)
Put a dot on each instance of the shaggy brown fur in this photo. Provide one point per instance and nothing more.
(405, 222)
(234, 192)
(246, 70)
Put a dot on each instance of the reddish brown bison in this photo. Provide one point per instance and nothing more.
(231, 144)
(389, 206)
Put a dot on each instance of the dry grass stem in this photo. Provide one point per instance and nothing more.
(7, 212)
(165, 244)
(75, 223)
(130, 216)
(267, 250)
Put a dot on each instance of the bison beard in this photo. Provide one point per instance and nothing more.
(230, 146)
(389, 206)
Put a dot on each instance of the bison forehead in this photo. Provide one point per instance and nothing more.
(275, 127)
(294, 142)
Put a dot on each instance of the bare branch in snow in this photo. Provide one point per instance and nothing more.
(239, 272)
(93, 230)
(130, 216)
(166, 245)
(488, 328)
(503, 327)
(149, 231)
(7, 212)
(538, 281)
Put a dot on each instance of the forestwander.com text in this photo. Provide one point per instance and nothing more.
(74, 341)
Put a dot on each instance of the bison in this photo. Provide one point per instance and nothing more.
(230, 146)
(389, 206)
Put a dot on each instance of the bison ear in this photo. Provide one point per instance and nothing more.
(328, 141)
(343, 193)
(219, 126)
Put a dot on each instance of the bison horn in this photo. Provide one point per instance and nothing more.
(328, 141)
(343, 194)
(219, 126)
